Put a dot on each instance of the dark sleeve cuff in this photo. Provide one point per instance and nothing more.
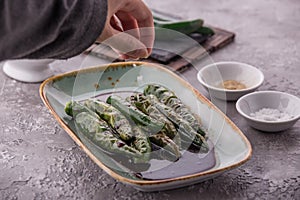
(79, 30)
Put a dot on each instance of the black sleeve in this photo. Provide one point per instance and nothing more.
(49, 28)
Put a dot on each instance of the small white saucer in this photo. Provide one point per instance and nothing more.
(26, 70)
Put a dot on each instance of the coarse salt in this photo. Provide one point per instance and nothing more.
(269, 114)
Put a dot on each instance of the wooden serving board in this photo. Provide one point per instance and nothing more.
(220, 39)
(211, 44)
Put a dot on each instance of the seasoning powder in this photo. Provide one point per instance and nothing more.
(269, 114)
(232, 85)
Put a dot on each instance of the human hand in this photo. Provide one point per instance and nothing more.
(129, 28)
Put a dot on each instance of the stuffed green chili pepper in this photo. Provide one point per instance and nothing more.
(167, 148)
(131, 112)
(100, 134)
(73, 108)
(186, 114)
(187, 133)
(170, 99)
(141, 142)
(143, 103)
(113, 117)
(121, 125)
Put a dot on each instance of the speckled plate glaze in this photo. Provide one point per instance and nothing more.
(231, 146)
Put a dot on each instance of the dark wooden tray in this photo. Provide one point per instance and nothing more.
(220, 39)
(211, 44)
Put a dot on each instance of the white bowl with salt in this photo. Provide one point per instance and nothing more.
(269, 111)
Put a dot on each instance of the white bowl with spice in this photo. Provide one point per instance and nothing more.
(230, 80)
(269, 111)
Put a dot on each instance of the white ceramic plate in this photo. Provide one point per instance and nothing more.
(231, 146)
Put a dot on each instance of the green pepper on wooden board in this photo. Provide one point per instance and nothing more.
(100, 134)
(186, 27)
(113, 117)
(143, 103)
(182, 26)
(131, 112)
(170, 99)
(205, 31)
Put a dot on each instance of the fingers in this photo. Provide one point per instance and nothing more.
(129, 23)
(126, 44)
(129, 28)
(139, 11)
(115, 23)
(143, 16)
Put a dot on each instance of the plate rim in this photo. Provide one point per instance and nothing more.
(111, 172)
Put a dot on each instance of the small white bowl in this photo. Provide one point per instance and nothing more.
(212, 76)
(27, 70)
(281, 101)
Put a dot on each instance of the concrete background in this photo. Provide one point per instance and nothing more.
(38, 160)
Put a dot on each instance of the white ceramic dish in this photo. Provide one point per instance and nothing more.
(212, 76)
(231, 146)
(281, 101)
(27, 70)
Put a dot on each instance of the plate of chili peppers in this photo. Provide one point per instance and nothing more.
(144, 125)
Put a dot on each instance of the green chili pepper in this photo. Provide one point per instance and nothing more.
(99, 133)
(113, 117)
(167, 148)
(205, 31)
(162, 93)
(183, 26)
(186, 114)
(187, 133)
(170, 99)
(141, 142)
(73, 108)
(143, 103)
(136, 115)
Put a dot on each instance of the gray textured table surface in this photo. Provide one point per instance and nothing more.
(38, 160)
